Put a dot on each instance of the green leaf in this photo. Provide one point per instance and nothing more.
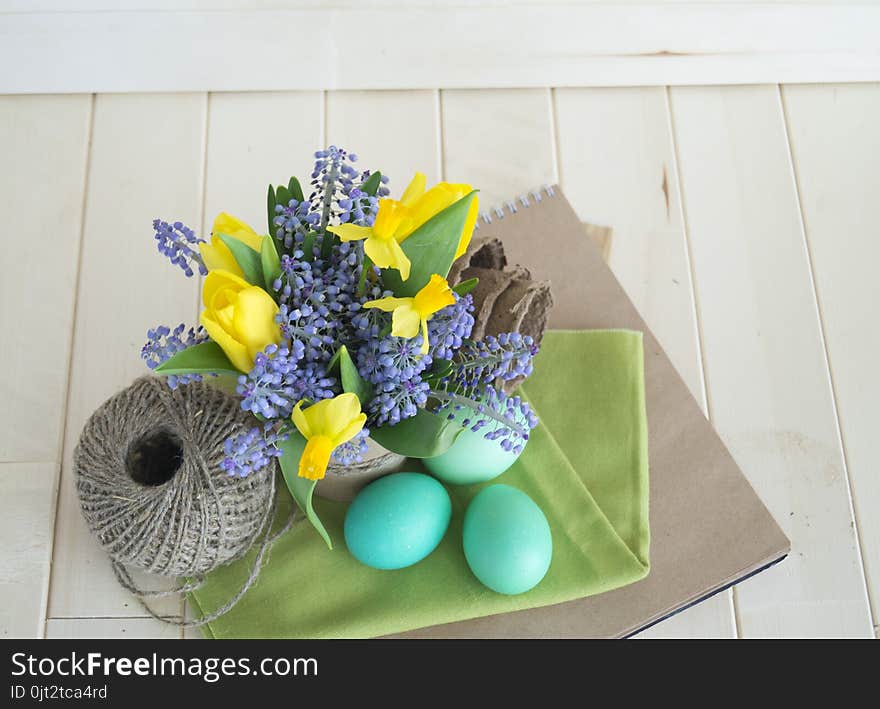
(366, 269)
(270, 209)
(301, 489)
(308, 247)
(296, 191)
(425, 435)
(371, 186)
(282, 195)
(203, 358)
(351, 378)
(431, 249)
(466, 287)
(247, 259)
(440, 369)
(334, 360)
(271, 264)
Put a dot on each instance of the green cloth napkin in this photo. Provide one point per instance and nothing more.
(586, 466)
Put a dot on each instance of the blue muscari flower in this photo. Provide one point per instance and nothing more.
(396, 400)
(448, 328)
(310, 381)
(293, 221)
(471, 388)
(180, 244)
(267, 390)
(336, 189)
(506, 357)
(253, 450)
(163, 342)
(352, 451)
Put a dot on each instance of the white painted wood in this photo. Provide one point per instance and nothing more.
(101, 628)
(44, 142)
(835, 141)
(617, 167)
(400, 46)
(146, 161)
(768, 384)
(500, 141)
(28, 494)
(395, 132)
(255, 139)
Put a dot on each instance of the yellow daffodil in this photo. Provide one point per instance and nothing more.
(383, 239)
(217, 255)
(396, 220)
(423, 205)
(412, 313)
(239, 317)
(326, 425)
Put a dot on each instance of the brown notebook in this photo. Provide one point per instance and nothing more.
(709, 530)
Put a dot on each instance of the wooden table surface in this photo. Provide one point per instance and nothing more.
(745, 229)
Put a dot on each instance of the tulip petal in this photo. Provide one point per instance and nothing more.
(233, 226)
(351, 232)
(468, 230)
(415, 189)
(254, 319)
(234, 350)
(217, 256)
(218, 280)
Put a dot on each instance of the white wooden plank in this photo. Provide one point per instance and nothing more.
(485, 45)
(499, 141)
(395, 132)
(28, 494)
(617, 167)
(835, 140)
(101, 628)
(146, 161)
(243, 158)
(44, 143)
(768, 384)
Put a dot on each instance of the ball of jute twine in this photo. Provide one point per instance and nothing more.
(148, 476)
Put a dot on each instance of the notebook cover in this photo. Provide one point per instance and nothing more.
(708, 527)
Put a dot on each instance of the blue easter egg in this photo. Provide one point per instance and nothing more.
(507, 540)
(397, 520)
(471, 459)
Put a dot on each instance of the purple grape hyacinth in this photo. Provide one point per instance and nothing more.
(179, 244)
(253, 450)
(163, 343)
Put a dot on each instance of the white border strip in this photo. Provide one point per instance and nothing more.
(427, 47)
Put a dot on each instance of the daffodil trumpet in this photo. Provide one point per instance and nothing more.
(409, 315)
(326, 425)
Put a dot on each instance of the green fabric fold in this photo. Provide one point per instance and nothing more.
(586, 466)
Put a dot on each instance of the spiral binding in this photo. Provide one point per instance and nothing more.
(512, 206)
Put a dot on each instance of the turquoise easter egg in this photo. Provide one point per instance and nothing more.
(471, 459)
(507, 540)
(397, 520)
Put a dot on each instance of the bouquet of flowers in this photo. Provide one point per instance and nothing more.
(339, 324)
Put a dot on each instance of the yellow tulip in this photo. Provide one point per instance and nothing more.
(412, 313)
(326, 425)
(239, 317)
(216, 255)
(396, 220)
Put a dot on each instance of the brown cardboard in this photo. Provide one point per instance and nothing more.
(708, 527)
